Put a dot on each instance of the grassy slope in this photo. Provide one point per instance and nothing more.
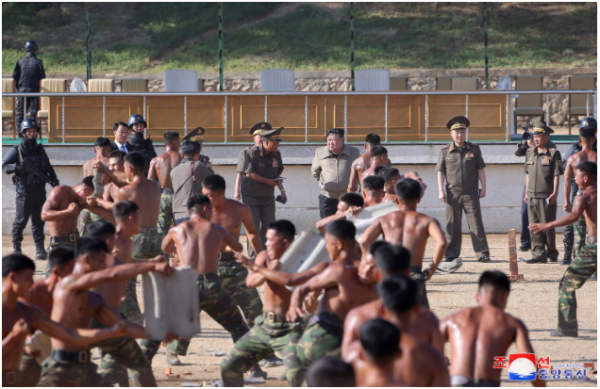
(155, 37)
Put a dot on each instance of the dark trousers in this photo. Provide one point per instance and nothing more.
(32, 109)
(525, 236)
(29, 205)
(543, 244)
(455, 205)
(327, 206)
(263, 214)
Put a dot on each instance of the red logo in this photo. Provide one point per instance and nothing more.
(500, 363)
(543, 363)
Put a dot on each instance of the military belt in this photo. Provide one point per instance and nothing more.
(166, 191)
(273, 317)
(11, 377)
(71, 356)
(591, 239)
(72, 238)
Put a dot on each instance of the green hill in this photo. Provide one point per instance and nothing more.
(153, 37)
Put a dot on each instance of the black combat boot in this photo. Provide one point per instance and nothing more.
(568, 252)
(17, 248)
(40, 253)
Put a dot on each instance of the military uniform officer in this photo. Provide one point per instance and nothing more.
(543, 167)
(243, 158)
(28, 73)
(461, 165)
(137, 124)
(262, 169)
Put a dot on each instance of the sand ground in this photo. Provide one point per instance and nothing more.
(533, 300)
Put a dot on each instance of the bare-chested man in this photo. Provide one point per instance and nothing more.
(20, 319)
(392, 175)
(160, 167)
(102, 151)
(271, 331)
(343, 290)
(373, 190)
(379, 157)
(410, 229)
(199, 243)
(75, 306)
(419, 326)
(478, 334)
(350, 203)
(585, 264)
(379, 340)
(363, 162)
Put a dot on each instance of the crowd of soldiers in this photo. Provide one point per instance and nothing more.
(361, 318)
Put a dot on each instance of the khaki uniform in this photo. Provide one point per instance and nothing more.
(258, 196)
(541, 169)
(184, 186)
(460, 165)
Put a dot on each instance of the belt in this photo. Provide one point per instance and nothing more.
(591, 239)
(71, 356)
(166, 191)
(273, 317)
(148, 230)
(11, 377)
(72, 238)
(226, 256)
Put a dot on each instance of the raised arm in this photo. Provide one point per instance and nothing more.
(49, 212)
(115, 180)
(524, 346)
(288, 279)
(254, 279)
(101, 211)
(251, 233)
(569, 218)
(326, 220)
(438, 236)
(371, 235)
(326, 279)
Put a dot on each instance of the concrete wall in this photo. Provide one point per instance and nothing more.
(501, 207)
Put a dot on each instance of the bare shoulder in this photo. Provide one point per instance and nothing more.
(241, 207)
(262, 258)
(429, 316)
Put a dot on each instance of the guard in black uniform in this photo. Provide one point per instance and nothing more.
(28, 73)
(137, 125)
(32, 171)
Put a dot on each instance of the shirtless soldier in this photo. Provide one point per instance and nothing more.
(102, 151)
(379, 340)
(373, 190)
(478, 334)
(363, 162)
(379, 157)
(199, 242)
(75, 307)
(271, 331)
(343, 290)
(410, 229)
(585, 264)
(20, 319)
(350, 204)
(160, 167)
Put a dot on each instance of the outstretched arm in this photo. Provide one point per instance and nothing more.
(327, 279)
(436, 233)
(79, 336)
(254, 279)
(231, 242)
(101, 211)
(371, 235)
(570, 218)
(283, 278)
(102, 168)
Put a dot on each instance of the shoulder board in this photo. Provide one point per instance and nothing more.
(446, 147)
(256, 149)
(528, 150)
(473, 144)
(552, 151)
(248, 148)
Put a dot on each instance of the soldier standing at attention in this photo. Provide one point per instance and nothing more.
(161, 167)
(262, 172)
(137, 125)
(543, 168)
(255, 131)
(28, 73)
(30, 188)
(461, 165)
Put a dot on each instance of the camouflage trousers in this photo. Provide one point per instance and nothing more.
(218, 303)
(121, 353)
(64, 373)
(420, 278)
(165, 217)
(579, 233)
(85, 218)
(55, 245)
(233, 275)
(130, 307)
(581, 268)
(263, 339)
(322, 337)
(147, 244)
(30, 371)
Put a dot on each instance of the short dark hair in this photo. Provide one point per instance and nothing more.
(170, 136)
(90, 245)
(392, 258)
(190, 148)
(88, 181)
(338, 131)
(398, 293)
(122, 209)
(379, 169)
(376, 245)
(389, 174)
(60, 256)
(587, 133)
(373, 139)
(378, 150)
(342, 230)
(330, 372)
(408, 189)
(102, 142)
(380, 340)
(373, 183)
(496, 279)
(197, 200)
(136, 159)
(285, 228)
(214, 182)
(589, 168)
(117, 124)
(117, 154)
(353, 199)
(100, 229)
(16, 262)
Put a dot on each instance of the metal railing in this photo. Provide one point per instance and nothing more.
(266, 95)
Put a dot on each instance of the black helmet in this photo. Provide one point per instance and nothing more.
(28, 123)
(588, 122)
(31, 46)
(135, 119)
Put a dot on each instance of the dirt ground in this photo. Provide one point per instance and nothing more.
(533, 300)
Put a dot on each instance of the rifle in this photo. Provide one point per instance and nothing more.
(31, 169)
